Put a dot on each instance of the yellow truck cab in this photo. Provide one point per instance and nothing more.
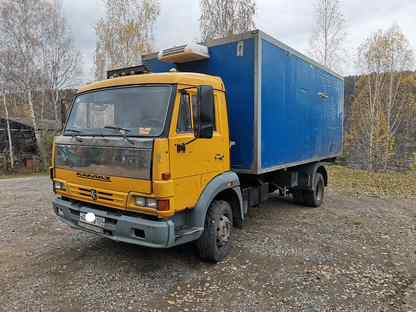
(165, 158)
(147, 174)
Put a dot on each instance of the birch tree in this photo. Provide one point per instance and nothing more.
(124, 34)
(221, 18)
(32, 57)
(398, 59)
(21, 62)
(61, 60)
(9, 134)
(329, 34)
(378, 109)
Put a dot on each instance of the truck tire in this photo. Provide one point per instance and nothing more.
(215, 242)
(315, 197)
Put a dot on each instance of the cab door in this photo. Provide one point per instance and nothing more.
(195, 162)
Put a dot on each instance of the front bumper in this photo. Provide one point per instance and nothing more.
(120, 227)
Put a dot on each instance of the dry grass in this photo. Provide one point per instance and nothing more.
(360, 183)
(22, 175)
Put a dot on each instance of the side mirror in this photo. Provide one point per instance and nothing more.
(205, 113)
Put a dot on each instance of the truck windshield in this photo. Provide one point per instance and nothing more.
(127, 111)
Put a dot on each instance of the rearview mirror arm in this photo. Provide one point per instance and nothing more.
(181, 148)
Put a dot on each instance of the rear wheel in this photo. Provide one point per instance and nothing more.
(315, 197)
(215, 243)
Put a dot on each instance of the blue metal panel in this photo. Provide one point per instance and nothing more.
(156, 66)
(299, 123)
(237, 72)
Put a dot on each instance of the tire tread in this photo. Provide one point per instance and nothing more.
(206, 244)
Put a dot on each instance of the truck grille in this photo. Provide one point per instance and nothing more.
(104, 197)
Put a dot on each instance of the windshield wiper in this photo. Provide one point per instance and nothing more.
(123, 131)
(73, 131)
(117, 128)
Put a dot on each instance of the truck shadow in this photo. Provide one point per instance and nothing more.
(106, 258)
(110, 254)
(282, 202)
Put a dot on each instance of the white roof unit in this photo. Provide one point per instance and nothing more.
(185, 53)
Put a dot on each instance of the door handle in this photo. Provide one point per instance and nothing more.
(219, 157)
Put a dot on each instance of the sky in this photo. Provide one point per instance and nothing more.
(289, 21)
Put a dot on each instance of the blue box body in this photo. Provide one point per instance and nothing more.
(285, 109)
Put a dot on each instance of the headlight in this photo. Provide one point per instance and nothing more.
(162, 205)
(140, 201)
(58, 186)
(152, 203)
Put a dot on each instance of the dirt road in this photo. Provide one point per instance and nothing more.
(349, 255)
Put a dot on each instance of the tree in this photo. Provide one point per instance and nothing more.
(124, 34)
(32, 55)
(398, 59)
(406, 133)
(61, 60)
(221, 18)
(378, 108)
(328, 37)
(9, 134)
(21, 53)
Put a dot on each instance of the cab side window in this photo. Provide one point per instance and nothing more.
(185, 115)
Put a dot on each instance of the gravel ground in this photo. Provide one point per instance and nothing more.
(349, 255)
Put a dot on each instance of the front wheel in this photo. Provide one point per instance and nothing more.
(215, 243)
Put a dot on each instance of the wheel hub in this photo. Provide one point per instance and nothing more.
(223, 230)
(318, 192)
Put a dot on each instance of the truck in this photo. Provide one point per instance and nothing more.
(178, 149)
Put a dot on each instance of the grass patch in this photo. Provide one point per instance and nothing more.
(373, 184)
